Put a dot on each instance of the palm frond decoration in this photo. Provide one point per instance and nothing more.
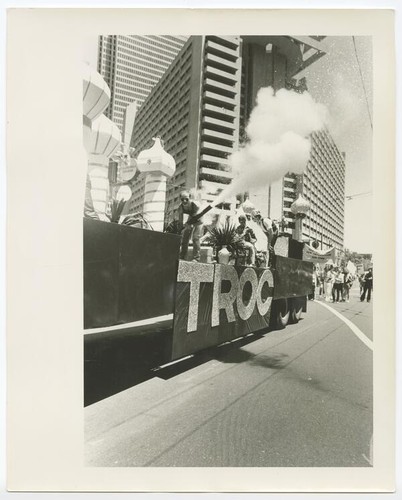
(225, 235)
(116, 208)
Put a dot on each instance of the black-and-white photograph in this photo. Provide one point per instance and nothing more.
(197, 200)
(228, 279)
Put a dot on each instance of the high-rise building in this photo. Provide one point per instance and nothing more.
(322, 185)
(131, 66)
(200, 108)
(195, 108)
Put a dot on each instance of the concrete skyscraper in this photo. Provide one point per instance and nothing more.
(131, 66)
(200, 108)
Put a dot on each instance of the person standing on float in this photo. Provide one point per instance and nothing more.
(246, 239)
(266, 226)
(191, 229)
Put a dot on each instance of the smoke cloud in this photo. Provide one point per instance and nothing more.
(278, 140)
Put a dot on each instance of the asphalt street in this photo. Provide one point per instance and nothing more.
(299, 397)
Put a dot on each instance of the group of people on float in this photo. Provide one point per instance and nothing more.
(194, 229)
(333, 283)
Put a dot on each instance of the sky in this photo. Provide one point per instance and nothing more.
(335, 81)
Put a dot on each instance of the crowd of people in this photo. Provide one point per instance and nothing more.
(333, 283)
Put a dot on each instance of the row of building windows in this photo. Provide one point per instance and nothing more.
(329, 145)
(155, 45)
(333, 214)
(320, 225)
(165, 112)
(165, 94)
(134, 81)
(176, 139)
(181, 131)
(326, 147)
(144, 60)
(130, 88)
(231, 42)
(180, 39)
(329, 183)
(329, 155)
(317, 223)
(174, 43)
(143, 48)
(319, 198)
(318, 215)
(174, 71)
(220, 52)
(326, 164)
(323, 186)
(166, 116)
(146, 67)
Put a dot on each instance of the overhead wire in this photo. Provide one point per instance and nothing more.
(351, 196)
(362, 79)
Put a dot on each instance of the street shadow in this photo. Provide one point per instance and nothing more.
(117, 361)
(274, 361)
(114, 362)
(201, 357)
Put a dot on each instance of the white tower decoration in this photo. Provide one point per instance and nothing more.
(157, 165)
(101, 137)
(248, 207)
(299, 207)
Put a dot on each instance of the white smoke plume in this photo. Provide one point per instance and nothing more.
(278, 133)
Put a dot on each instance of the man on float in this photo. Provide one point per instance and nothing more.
(192, 228)
(247, 239)
(266, 225)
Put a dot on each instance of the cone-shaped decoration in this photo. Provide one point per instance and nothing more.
(157, 166)
(156, 160)
(248, 207)
(300, 206)
(96, 93)
(105, 137)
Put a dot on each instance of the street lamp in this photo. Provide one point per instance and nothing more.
(299, 207)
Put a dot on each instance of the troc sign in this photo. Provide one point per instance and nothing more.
(216, 303)
(195, 274)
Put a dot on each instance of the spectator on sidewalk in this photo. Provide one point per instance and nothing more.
(347, 285)
(361, 282)
(367, 286)
(338, 285)
(329, 281)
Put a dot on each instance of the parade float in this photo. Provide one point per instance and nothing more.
(136, 285)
